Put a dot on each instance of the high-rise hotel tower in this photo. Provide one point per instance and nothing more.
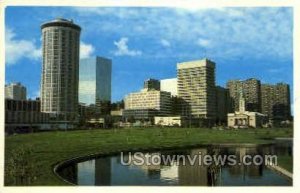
(60, 71)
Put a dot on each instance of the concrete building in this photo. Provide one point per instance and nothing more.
(147, 103)
(152, 84)
(252, 93)
(196, 87)
(24, 114)
(60, 69)
(169, 121)
(222, 105)
(15, 91)
(95, 82)
(169, 85)
(276, 101)
(245, 119)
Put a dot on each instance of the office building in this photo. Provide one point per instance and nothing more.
(60, 70)
(252, 94)
(152, 84)
(15, 91)
(147, 104)
(222, 105)
(95, 82)
(23, 114)
(169, 85)
(196, 87)
(276, 101)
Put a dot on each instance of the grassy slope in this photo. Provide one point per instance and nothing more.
(52, 147)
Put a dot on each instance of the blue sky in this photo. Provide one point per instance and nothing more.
(148, 42)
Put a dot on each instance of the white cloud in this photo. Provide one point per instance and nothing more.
(17, 49)
(165, 43)
(229, 32)
(203, 42)
(86, 50)
(123, 50)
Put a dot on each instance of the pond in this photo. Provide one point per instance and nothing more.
(111, 171)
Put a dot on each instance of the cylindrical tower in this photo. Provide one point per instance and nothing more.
(60, 71)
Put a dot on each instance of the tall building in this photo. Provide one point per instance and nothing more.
(196, 87)
(222, 104)
(252, 93)
(15, 91)
(276, 101)
(169, 85)
(60, 70)
(95, 81)
(152, 84)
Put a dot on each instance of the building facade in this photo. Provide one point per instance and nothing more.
(15, 91)
(95, 82)
(276, 101)
(169, 85)
(154, 101)
(196, 87)
(60, 70)
(169, 121)
(24, 114)
(252, 94)
(243, 118)
(152, 84)
(222, 105)
(149, 99)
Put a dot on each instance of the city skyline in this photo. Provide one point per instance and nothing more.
(270, 60)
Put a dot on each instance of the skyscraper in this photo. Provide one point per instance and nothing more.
(222, 104)
(251, 91)
(276, 101)
(196, 86)
(15, 91)
(95, 81)
(59, 82)
(152, 84)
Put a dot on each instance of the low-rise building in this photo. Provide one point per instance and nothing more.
(146, 104)
(24, 114)
(245, 119)
(168, 121)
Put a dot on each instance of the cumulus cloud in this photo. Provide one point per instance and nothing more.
(203, 42)
(17, 49)
(86, 50)
(238, 31)
(123, 50)
(165, 43)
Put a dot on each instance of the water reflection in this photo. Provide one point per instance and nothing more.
(106, 171)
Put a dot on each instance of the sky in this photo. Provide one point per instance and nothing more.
(148, 42)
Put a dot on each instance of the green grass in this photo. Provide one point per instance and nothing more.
(49, 148)
(286, 162)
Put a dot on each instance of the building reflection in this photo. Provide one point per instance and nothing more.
(103, 171)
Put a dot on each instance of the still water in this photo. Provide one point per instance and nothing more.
(108, 170)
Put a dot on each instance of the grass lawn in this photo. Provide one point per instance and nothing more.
(49, 148)
(286, 162)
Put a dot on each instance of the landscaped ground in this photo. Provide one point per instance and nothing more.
(39, 152)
